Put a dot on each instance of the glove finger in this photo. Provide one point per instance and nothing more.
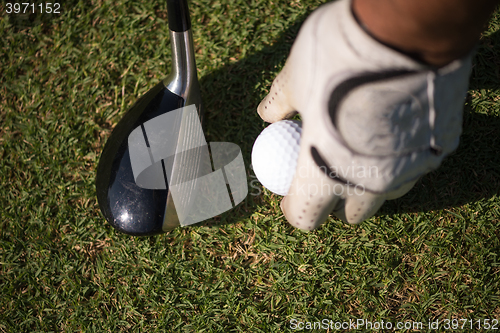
(312, 195)
(276, 105)
(401, 191)
(358, 207)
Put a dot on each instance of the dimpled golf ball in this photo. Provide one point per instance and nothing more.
(275, 154)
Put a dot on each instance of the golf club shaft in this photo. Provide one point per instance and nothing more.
(178, 15)
(182, 80)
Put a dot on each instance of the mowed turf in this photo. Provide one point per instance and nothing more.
(65, 81)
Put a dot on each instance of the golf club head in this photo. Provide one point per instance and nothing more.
(137, 208)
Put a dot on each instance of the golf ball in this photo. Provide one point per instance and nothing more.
(275, 153)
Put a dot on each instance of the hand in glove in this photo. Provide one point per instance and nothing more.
(374, 120)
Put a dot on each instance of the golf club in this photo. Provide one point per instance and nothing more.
(137, 203)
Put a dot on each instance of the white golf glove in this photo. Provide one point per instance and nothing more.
(374, 120)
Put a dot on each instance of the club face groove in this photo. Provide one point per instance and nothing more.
(129, 208)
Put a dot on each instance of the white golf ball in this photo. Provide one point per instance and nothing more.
(275, 153)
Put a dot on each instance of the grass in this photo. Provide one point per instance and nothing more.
(67, 79)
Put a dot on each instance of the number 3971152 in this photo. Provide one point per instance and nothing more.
(31, 8)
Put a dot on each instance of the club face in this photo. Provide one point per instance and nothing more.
(129, 208)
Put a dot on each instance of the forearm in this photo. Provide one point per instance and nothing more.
(433, 31)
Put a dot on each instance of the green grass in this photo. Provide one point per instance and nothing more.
(66, 80)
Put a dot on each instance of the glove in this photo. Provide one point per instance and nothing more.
(374, 120)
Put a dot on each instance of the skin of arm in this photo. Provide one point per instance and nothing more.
(435, 32)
